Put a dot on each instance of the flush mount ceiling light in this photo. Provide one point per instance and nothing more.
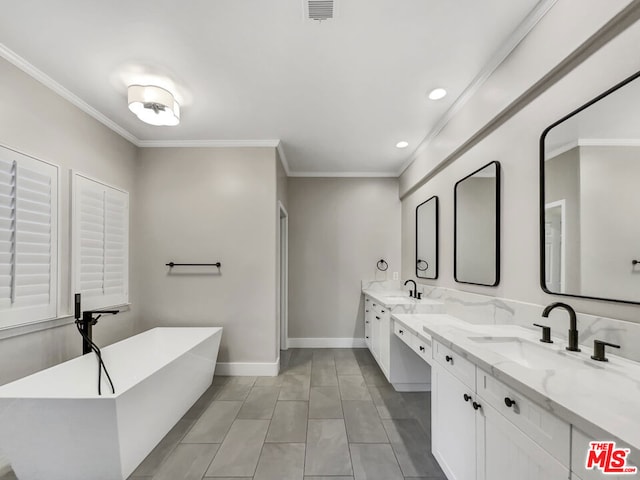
(402, 144)
(437, 94)
(154, 105)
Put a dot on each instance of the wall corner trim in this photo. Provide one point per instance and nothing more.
(327, 343)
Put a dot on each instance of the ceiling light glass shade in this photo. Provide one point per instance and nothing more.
(437, 94)
(402, 144)
(153, 105)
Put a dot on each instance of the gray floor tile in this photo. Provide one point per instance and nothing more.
(295, 387)
(364, 357)
(324, 402)
(233, 391)
(260, 403)
(352, 387)
(327, 449)
(347, 366)
(202, 403)
(373, 375)
(289, 423)
(323, 356)
(150, 465)
(363, 423)
(187, 462)
(412, 447)
(269, 381)
(214, 423)
(246, 380)
(389, 403)
(238, 455)
(299, 362)
(281, 461)
(324, 375)
(419, 405)
(329, 478)
(374, 462)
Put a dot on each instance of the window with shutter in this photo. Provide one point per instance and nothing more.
(100, 226)
(28, 239)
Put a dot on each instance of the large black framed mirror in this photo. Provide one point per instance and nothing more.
(476, 258)
(589, 199)
(427, 239)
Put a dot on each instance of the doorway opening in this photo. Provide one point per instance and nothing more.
(283, 274)
(554, 245)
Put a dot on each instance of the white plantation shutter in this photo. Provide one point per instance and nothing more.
(100, 243)
(28, 239)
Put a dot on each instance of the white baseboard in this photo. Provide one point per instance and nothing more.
(412, 387)
(239, 369)
(327, 343)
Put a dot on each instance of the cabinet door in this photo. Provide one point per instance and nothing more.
(506, 453)
(385, 342)
(453, 426)
(375, 335)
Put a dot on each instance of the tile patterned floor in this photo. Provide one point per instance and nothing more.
(329, 415)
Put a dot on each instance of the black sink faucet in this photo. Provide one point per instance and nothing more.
(573, 323)
(413, 293)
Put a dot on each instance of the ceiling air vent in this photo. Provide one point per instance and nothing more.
(319, 9)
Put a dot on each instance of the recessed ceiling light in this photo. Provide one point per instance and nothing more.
(402, 144)
(437, 94)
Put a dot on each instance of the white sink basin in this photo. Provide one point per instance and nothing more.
(529, 354)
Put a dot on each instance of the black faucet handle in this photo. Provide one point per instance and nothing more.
(598, 350)
(546, 333)
(419, 295)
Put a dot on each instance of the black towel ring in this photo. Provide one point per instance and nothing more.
(382, 265)
(426, 265)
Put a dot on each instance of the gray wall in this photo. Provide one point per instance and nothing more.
(610, 225)
(206, 205)
(36, 121)
(516, 145)
(338, 229)
(476, 226)
(562, 182)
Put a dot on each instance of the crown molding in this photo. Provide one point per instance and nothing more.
(592, 142)
(499, 56)
(345, 174)
(208, 143)
(283, 159)
(50, 83)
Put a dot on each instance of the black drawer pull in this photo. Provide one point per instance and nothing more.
(377, 318)
(476, 406)
(366, 321)
(421, 348)
(466, 397)
(382, 310)
(366, 311)
(401, 332)
(509, 402)
(449, 359)
(366, 336)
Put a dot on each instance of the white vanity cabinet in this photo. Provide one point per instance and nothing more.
(405, 370)
(482, 430)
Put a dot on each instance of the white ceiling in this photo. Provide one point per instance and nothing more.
(338, 94)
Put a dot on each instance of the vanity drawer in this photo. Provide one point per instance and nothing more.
(403, 333)
(422, 348)
(379, 309)
(547, 430)
(455, 364)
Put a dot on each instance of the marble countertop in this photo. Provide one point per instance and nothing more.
(399, 297)
(593, 396)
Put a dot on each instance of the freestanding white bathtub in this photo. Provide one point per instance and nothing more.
(54, 426)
